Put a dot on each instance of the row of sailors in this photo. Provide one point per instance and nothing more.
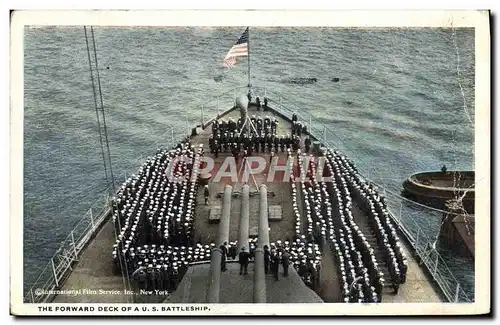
(305, 256)
(150, 180)
(387, 237)
(384, 230)
(162, 267)
(149, 173)
(172, 220)
(257, 101)
(252, 143)
(341, 194)
(342, 197)
(375, 206)
(264, 125)
(309, 174)
(156, 210)
(351, 182)
(158, 268)
(312, 277)
(298, 128)
(320, 222)
(295, 203)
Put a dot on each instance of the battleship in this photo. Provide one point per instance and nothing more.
(260, 177)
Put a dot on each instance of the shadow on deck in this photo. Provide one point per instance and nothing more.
(236, 288)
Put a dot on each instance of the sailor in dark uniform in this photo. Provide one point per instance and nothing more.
(285, 261)
(404, 269)
(259, 125)
(240, 142)
(257, 101)
(255, 143)
(223, 248)
(174, 275)
(140, 277)
(217, 148)
(265, 103)
(250, 146)
(295, 143)
(307, 144)
(262, 142)
(244, 141)
(304, 129)
(243, 260)
(223, 139)
(116, 260)
(275, 262)
(269, 142)
(267, 259)
(211, 142)
(282, 143)
(234, 152)
(274, 124)
(214, 127)
(288, 141)
(233, 250)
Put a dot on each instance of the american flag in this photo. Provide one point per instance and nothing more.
(240, 49)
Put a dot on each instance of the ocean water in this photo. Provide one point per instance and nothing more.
(398, 108)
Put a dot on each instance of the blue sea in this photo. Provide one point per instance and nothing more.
(403, 104)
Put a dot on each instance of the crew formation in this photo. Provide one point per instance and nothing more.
(154, 214)
(307, 257)
(229, 136)
(155, 209)
(162, 267)
(328, 211)
(374, 206)
(303, 255)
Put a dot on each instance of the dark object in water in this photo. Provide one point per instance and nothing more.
(436, 189)
(218, 78)
(336, 79)
(302, 81)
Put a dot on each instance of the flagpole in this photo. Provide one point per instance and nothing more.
(248, 46)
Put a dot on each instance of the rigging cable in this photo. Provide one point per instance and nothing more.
(123, 264)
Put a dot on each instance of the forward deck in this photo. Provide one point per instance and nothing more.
(94, 269)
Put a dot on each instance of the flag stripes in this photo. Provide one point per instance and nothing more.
(240, 49)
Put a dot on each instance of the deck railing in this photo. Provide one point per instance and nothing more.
(60, 264)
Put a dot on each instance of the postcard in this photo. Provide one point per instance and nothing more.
(251, 162)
